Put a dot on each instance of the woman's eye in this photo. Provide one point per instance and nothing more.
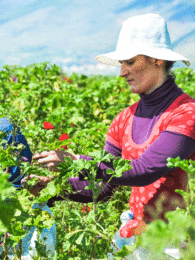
(130, 62)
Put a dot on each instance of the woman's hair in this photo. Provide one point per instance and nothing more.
(169, 65)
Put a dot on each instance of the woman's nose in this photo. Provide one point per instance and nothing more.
(123, 71)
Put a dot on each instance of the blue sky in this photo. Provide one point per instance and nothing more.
(71, 33)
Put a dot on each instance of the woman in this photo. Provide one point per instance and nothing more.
(159, 126)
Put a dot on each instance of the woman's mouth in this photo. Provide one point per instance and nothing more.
(130, 81)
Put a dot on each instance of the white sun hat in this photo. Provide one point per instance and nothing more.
(143, 35)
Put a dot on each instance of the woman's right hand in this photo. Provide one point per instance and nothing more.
(51, 159)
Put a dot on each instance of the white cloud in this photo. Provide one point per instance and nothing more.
(79, 31)
(13, 60)
(91, 69)
(187, 50)
(177, 29)
(62, 60)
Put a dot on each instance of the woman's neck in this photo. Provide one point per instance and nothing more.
(162, 77)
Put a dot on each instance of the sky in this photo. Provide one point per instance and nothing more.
(71, 33)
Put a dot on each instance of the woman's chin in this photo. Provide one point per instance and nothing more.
(134, 89)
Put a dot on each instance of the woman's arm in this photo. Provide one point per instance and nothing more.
(148, 168)
(152, 164)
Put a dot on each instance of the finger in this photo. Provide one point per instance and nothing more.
(41, 155)
(43, 181)
(25, 179)
(44, 161)
(51, 164)
(48, 159)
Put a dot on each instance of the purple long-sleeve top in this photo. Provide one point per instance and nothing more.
(152, 164)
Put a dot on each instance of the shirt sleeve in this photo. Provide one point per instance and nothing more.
(182, 120)
(152, 164)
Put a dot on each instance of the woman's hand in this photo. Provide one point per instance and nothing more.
(41, 184)
(51, 159)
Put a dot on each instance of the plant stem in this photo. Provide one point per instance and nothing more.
(20, 249)
(117, 248)
(5, 247)
(32, 155)
(100, 234)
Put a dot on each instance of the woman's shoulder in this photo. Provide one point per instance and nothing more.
(5, 125)
(126, 112)
(185, 103)
(182, 104)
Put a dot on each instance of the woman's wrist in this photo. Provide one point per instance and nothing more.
(76, 156)
(73, 156)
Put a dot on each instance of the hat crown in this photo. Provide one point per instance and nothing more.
(148, 29)
(143, 35)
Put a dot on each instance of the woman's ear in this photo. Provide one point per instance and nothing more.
(159, 63)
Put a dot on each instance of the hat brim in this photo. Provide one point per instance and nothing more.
(113, 58)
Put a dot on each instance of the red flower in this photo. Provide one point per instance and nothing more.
(64, 137)
(85, 209)
(68, 79)
(65, 147)
(48, 125)
(72, 125)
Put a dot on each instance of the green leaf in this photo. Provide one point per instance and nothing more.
(80, 238)
(121, 165)
(125, 251)
(50, 191)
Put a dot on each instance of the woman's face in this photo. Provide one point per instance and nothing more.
(142, 73)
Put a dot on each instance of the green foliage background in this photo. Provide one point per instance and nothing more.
(84, 109)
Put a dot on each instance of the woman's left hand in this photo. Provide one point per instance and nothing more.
(51, 159)
(41, 184)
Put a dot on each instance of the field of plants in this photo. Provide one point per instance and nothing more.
(73, 113)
